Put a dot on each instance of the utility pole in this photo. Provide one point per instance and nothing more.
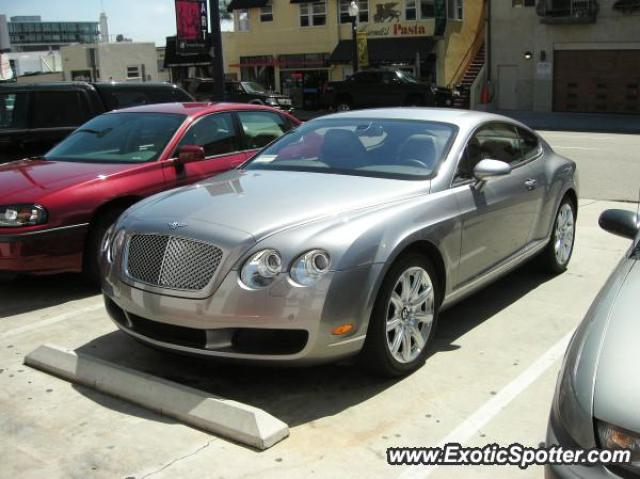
(217, 63)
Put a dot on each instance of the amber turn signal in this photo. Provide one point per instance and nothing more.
(342, 329)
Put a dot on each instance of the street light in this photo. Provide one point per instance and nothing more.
(354, 10)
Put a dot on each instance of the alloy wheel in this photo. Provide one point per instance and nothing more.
(564, 234)
(410, 314)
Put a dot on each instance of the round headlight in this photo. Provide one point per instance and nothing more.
(310, 267)
(116, 244)
(261, 269)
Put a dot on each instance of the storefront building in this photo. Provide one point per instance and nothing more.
(297, 47)
(566, 55)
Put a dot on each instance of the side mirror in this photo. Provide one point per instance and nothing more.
(488, 168)
(619, 222)
(190, 153)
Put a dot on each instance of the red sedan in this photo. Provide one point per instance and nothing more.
(54, 210)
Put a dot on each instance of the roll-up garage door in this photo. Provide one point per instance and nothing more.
(597, 81)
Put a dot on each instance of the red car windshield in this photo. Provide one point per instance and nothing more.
(119, 138)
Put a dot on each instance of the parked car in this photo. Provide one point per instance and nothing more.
(35, 117)
(54, 210)
(346, 236)
(384, 88)
(597, 394)
(240, 92)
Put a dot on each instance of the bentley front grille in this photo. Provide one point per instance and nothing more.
(171, 262)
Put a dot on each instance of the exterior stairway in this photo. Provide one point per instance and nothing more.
(470, 75)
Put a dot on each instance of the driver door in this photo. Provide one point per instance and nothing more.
(497, 214)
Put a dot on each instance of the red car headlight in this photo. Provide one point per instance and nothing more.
(22, 215)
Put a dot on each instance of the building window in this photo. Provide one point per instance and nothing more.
(133, 72)
(455, 9)
(363, 15)
(426, 9)
(410, 10)
(313, 14)
(523, 3)
(266, 13)
(242, 20)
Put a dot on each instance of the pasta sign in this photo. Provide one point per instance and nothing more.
(192, 25)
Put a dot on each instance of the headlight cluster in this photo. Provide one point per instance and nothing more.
(614, 438)
(263, 267)
(111, 243)
(271, 101)
(22, 215)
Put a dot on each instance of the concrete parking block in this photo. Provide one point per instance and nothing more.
(230, 419)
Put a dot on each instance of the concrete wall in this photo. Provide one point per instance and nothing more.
(113, 60)
(516, 30)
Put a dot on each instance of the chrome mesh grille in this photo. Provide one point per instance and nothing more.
(170, 262)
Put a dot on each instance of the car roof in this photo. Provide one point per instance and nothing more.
(194, 108)
(75, 85)
(466, 118)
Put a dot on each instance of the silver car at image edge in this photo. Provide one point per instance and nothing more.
(345, 236)
(597, 399)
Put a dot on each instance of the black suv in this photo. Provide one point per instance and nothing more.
(378, 88)
(240, 92)
(34, 117)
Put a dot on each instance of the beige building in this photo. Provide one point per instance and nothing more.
(124, 61)
(295, 47)
(565, 55)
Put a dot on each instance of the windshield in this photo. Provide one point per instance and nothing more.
(119, 138)
(253, 87)
(408, 77)
(402, 149)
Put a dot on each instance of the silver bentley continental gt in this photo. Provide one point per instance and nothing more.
(345, 236)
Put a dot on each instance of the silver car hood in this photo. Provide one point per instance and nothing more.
(261, 203)
(617, 388)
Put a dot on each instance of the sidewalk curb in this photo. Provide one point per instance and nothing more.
(230, 419)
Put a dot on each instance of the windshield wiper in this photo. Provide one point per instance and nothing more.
(98, 133)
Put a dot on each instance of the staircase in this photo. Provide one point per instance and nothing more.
(470, 75)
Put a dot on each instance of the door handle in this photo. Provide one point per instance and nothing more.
(531, 184)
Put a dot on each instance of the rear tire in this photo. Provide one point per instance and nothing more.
(91, 264)
(404, 318)
(556, 256)
(343, 104)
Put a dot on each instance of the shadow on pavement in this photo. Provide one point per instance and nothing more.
(296, 395)
(29, 293)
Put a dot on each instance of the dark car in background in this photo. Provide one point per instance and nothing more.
(383, 88)
(35, 117)
(202, 89)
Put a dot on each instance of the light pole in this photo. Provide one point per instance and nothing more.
(354, 10)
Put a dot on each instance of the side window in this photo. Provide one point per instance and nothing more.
(59, 109)
(262, 127)
(530, 146)
(496, 141)
(13, 110)
(117, 99)
(215, 133)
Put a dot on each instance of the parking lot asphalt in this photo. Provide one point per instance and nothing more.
(490, 379)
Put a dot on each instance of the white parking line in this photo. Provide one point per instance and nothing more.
(558, 147)
(49, 321)
(485, 413)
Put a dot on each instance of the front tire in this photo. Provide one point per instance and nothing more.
(404, 318)
(91, 266)
(556, 256)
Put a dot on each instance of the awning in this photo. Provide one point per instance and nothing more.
(386, 50)
(173, 59)
(244, 4)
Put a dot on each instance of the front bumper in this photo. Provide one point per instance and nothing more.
(47, 251)
(283, 323)
(556, 434)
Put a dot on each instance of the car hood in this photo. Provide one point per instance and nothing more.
(261, 203)
(617, 390)
(28, 180)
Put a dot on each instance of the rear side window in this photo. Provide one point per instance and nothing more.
(13, 110)
(529, 145)
(117, 99)
(262, 127)
(54, 109)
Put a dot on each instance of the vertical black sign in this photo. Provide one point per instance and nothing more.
(192, 25)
